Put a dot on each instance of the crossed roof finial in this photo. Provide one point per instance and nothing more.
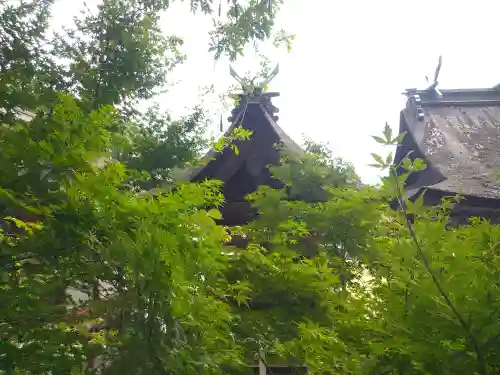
(249, 87)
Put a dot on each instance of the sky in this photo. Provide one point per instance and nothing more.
(349, 65)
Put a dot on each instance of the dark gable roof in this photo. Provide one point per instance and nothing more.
(458, 133)
(255, 117)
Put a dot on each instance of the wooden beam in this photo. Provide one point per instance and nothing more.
(262, 365)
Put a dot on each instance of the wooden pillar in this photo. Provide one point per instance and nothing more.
(262, 365)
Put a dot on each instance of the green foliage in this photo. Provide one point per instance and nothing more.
(303, 255)
(308, 176)
(404, 292)
(118, 54)
(157, 144)
(159, 258)
(97, 277)
(251, 22)
(34, 191)
(332, 277)
(26, 70)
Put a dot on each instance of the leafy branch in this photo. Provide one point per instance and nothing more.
(416, 166)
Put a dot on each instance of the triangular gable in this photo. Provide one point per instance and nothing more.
(256, 116)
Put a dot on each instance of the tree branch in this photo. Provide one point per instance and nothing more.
(10, 260)
(472, 338)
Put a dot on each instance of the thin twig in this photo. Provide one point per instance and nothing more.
(473, 340)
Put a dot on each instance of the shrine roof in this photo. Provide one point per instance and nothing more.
(458, 134)
(257, 115)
